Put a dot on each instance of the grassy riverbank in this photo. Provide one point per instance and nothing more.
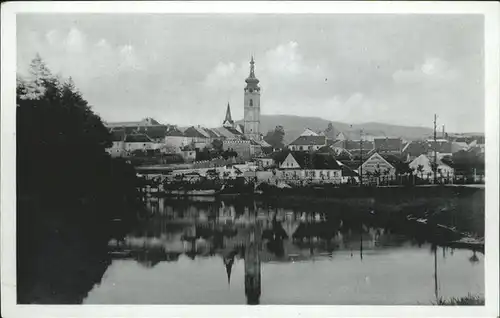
(469, 300)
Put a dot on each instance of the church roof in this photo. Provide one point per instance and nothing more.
(233, 131)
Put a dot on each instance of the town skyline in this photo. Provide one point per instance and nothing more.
(332, 67)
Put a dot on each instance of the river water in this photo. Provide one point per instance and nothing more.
(219, 253)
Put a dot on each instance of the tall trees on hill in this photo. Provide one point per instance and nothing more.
(67, 185)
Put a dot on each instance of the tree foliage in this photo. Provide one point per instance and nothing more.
(68, 188)
(276, 137)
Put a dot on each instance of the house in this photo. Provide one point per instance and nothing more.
(198, 136)
(337, 152)
(309, 132)
(377, 166)
(139, 142)
(307, 143)
(388, 145)
(188, 153)
(175, 139)
(441, 147)
(315, 168)
(264, 162)
(422, 165)
(118, 147)
(355, 135)
(246, 149)
(156, 133)
(477, 145)
(413, 149)
(230, 132)
(348, 174)
(143, 123)
(354, 148)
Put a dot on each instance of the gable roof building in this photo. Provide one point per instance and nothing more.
(308, 132)
(388, 145)
(413, 149)
(303, 160)
(196, 132)
(145, 122)
(307, 143)
(139, 138)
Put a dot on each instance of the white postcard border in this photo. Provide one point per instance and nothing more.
(490, 10)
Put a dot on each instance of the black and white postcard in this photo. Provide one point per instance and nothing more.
(250, 158)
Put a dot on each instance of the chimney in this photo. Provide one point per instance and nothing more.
(443, 132)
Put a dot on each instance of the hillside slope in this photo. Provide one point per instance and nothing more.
(295, 125)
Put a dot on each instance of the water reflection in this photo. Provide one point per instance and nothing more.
(253, 233)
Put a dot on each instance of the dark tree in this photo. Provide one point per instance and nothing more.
(275, 138)
(68, 188)
(217, 145)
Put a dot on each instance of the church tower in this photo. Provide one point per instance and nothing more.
(252, 105)
(228, 121)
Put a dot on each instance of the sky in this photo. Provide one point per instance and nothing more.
(184, 68)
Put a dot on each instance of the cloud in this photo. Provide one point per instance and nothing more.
(75, 41)
(342, 68)
(71, 54)
(128, 58)
(432, 70)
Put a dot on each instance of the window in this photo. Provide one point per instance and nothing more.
(251, 102)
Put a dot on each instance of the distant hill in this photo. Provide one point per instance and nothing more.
(295, 125)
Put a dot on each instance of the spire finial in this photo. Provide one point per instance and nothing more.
(252, 68)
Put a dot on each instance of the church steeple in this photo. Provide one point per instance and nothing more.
(251, 80)
(228, 121)
(251, 105)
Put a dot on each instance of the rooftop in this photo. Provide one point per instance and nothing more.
(388, 144)
(137, 138)
(309, 141)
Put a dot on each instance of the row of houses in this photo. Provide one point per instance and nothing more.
(404, 150)
(302, 167)
(149, 134)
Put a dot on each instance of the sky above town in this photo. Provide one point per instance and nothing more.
(184, 69)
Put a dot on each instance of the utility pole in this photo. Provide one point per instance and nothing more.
(361, 157)
(435, 153)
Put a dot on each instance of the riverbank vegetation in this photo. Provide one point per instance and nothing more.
(469, 300)
(69, 190)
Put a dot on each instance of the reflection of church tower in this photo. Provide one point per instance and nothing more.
(228, 121)
(228, 262)
(252, 263)
(252, 105)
